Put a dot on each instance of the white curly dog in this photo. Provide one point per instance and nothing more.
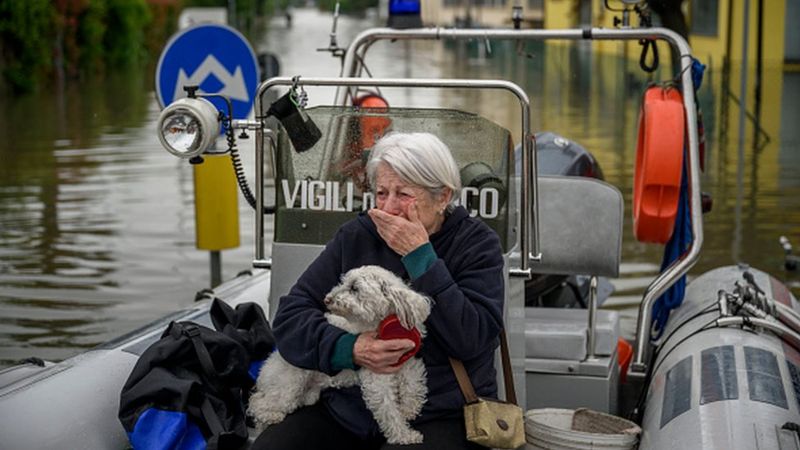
(365, 296)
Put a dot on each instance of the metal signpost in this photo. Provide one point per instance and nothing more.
(219, 61)
(215, 57)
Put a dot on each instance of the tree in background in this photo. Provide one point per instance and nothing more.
(59, 40)
(25, 39)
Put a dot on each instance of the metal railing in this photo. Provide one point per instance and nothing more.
(529, 238)
(356, 52)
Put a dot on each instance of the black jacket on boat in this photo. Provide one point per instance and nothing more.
(186, 390)
(466, 284)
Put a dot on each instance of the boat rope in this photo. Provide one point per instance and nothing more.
(646, 21)
(646, 45)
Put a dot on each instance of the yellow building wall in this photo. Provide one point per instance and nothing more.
(560, 14)
(708, 49)
(712, 48)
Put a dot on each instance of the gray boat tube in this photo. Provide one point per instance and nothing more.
(724, 381)
(74, 404)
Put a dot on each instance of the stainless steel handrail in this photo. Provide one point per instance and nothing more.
(260, 260)
(529, 179)
(685, 262)
(591, 339)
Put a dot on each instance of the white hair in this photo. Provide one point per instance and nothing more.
(420, 159)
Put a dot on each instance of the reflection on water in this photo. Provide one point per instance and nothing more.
(97, 222)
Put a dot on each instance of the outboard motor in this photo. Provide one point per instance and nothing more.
(557, 155)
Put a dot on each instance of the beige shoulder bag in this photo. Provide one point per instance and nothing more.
(490, 422)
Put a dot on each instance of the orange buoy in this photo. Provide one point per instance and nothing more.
(372, 127)
(368, 127)
(659, 161)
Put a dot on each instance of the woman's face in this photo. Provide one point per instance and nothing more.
(394, 196)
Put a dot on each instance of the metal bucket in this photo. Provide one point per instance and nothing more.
(567, 429)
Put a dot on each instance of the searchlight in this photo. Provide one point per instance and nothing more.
(188, 127)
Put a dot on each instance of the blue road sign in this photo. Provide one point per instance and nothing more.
(215, 57)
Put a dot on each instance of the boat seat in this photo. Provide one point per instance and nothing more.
(580, 226)
(562, 333)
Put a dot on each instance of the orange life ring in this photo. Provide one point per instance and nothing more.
(372, 127)
(659, 160)
(361, 136)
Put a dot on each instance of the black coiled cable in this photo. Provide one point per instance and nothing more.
(239, 170)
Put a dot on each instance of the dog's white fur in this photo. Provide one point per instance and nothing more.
(365, 296)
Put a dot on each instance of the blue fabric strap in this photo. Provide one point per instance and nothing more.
(677, 245)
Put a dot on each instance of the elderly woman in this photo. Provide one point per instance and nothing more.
(417, 232)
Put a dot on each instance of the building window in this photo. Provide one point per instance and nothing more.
(704, 17)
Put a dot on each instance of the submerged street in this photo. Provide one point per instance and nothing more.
(97, 222)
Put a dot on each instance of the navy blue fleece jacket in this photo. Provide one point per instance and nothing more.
(466, 285)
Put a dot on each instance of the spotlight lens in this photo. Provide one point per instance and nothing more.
(188, 127)
(182, 131)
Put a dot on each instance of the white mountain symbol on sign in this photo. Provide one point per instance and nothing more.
(234, 86)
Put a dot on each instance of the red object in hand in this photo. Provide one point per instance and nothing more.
(391, 328)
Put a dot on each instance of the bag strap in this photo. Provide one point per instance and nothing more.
(213, 420)
(508, 377)
(463, 381)
(193, 333)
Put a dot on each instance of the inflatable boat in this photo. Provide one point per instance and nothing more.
(724, 371)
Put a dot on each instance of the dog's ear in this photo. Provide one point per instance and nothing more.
(411, 307)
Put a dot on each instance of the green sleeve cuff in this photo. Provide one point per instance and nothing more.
(419, 260)
(343, 352)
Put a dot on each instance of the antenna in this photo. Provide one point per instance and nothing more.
(333, 46)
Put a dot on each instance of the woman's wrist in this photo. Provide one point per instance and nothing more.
(419, 260)
(342, 357)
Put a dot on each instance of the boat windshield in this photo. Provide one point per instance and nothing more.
(321, 188)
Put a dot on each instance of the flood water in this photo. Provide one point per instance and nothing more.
(97, 221)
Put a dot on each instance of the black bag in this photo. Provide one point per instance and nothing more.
(188, 389)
